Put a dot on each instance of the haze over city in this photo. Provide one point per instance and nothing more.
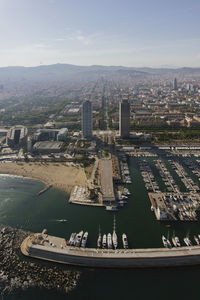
(129, 33)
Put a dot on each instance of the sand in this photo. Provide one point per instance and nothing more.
(61, 176)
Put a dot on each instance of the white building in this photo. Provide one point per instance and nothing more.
(62, 134)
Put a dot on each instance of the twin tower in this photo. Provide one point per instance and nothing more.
(124, 119)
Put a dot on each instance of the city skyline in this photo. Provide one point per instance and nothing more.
(112, 32)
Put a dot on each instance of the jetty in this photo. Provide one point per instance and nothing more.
(44, 190)
(55, 249)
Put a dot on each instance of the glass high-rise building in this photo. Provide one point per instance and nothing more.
(124, 119)
(175, 84)
(87, 119)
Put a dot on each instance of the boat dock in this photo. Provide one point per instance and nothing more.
(162, 212)
(106, 180)
(79, 195)
(166, 177)
(187, 181)
(171, 204)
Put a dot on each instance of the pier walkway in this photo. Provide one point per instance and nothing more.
(106, 178)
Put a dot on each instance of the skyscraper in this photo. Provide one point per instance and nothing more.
(87, 119)
(175, 84)
(124, 119)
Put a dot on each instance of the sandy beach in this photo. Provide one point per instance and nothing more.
(61, 176)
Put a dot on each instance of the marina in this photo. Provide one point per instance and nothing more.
(88, 218)
(171, 204)
(168, 202)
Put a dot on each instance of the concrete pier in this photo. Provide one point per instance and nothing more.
(54, 249)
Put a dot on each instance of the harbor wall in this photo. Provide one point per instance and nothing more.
(138, 259)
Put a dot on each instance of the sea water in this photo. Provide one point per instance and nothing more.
(20, 207)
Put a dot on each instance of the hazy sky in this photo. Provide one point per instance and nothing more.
(107, 32)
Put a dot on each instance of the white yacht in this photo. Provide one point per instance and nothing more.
(125, 241)
(104, 242)
(187, 241)
(114, 235)
(176, 242)
(111, 208)
(109, 239)
(166, 242)
(196, 240)
(79, 238)
(126, 191)
(84, 240)
(114, 239)
(99, 239)
(72, 239)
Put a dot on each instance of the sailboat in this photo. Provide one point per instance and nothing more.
(176, 241)
(104, 242)
(125, 241)
(109, 240)
(166, 242)
(187, 240)
(99, 239)
(114, 235)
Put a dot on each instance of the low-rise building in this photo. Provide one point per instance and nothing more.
(62, 134)
(51, 134)
(47, 147)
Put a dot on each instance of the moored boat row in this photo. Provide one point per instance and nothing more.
(176, 241)
(110, 241)
(79, 239)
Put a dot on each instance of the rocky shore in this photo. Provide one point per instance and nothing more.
(18, 272)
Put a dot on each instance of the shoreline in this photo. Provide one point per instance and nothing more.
(60, 176)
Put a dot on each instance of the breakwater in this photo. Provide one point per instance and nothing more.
(44, 190)
(18, 273)
(55, 249)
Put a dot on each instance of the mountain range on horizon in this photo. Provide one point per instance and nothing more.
(71, 67)
(66, 72)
